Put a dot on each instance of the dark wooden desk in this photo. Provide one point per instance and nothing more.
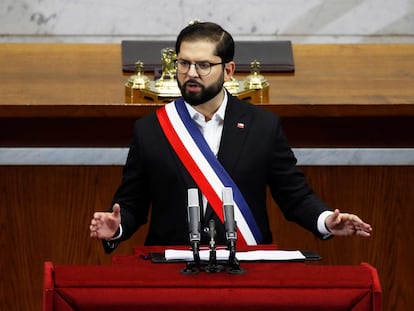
(340, 95)
(85, 80)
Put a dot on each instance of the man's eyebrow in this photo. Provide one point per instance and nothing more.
(199, 61)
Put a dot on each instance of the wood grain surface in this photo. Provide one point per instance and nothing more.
(45, 212)
(86, 80)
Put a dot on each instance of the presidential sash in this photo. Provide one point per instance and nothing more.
(209, 174)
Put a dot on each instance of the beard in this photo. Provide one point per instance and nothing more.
(204, 95)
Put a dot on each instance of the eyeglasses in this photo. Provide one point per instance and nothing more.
(202, 68)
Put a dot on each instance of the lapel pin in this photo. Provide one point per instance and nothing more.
(240, 125)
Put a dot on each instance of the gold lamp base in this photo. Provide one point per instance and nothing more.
(140, 89)
(152, 94)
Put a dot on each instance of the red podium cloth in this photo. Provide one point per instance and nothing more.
(133, 283)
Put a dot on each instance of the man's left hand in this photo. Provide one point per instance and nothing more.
(344, 224)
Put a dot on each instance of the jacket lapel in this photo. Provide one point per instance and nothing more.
(236, 124)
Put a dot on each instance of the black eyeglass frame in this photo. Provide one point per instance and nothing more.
(196, 65)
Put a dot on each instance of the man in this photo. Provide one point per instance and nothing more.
(206, 140)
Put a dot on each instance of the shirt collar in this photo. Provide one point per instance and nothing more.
(218, 115)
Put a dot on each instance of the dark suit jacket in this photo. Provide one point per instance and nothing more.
(255, 156)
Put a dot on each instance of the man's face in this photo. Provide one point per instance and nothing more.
(198, 89)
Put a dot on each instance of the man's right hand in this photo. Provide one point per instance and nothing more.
(105, 224)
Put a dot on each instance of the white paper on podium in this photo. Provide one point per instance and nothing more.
(222, 254)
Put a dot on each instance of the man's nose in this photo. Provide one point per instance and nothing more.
(192, 71)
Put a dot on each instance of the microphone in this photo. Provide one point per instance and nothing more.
(229, 221)
(194, 224)
(231, 231)
(212, 232)
(212, 261)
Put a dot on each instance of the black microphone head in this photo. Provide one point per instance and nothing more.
(228, 210)
(193, 210)
(212, 228)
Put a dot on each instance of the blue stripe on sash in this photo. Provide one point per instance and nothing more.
(218, 168)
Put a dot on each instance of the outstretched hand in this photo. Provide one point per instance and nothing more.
(105, 224)
(344, 224)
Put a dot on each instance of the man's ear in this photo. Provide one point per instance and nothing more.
(229, 69)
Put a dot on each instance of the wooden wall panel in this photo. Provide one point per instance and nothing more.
(384, 197)
(45, 216)
(45, 212)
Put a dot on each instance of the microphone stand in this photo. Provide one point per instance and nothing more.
(193, 267)
(196, 252)
(230, 224)
(193, 207)
(233, 265)
(212, 262)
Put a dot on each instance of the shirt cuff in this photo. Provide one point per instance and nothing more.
(322, 225)
(117, 234)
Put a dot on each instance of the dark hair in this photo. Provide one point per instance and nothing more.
(210, 32)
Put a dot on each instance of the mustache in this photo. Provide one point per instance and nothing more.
(192, 81)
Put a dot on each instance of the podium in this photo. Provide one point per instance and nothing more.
(133, 282)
